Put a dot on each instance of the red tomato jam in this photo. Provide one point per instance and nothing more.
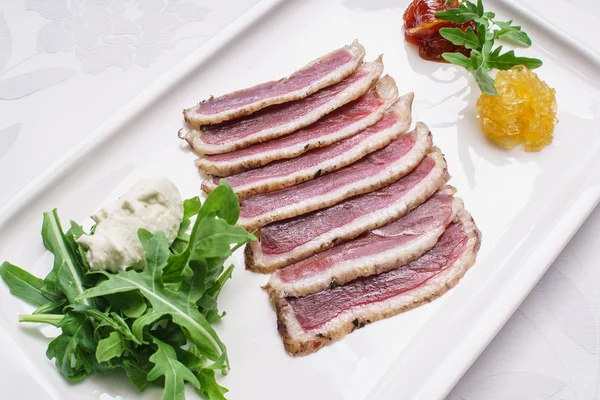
(423, 29)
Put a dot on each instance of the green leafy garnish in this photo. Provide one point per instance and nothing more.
(110, 347)
(67, 275)
(155, 323)
(179, 305)
(175, 373)
(483, 57)
(74, 349)
(26, 286)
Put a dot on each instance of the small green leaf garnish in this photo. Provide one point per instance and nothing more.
(508, 60)
(481, 42)
(459, 15)
(111, 347)
(174, 372)
(26, 286)
(467, 38)
(469, 63)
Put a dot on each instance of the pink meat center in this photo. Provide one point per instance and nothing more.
(284, 236)
(298, 80)
(276, 115)
(310, 159)
(315, 310)
(435, 213)
(359, 171)
(331, 123)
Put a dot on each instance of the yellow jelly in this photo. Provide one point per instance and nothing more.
(524, 111)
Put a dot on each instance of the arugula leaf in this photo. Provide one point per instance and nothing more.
(467, 38)
(482, 31)
(485, 82)
(105, 318)
(52, 307)
(209, 387)
(111, 347)
(180, 243)
(26, 286)
(164, 301)
(215, 237)
(221, 209)
(216, 288)
(487, 46)
(137, 372)
(480, 10)
(51, 319)
(508, 60)
(130, 304)
(74, 233)
(458, 15)
(147, 319)
(74, 348)
(516, 36)
(480, 41)
(512, 32)
(209, 307)
(191, 207)
(175, 373)
(469, 63)
(171, 333)
(223, 202)
(66, 275)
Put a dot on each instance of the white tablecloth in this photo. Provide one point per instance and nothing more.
(67, 65)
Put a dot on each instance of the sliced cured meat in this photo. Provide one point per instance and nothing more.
(282, 119)
(308, 323)
(340, 124)
(327, 70)
(318, 162)
(372, 253)
(370, 173)
(285, 242)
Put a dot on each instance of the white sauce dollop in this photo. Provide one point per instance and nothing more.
(153, 204)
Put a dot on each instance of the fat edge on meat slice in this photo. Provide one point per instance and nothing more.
(357, 52)
(353, 92)
(386, 91)
(390, 174)
(371, 264)
(299, 342)
(255, 260)
(402, 111)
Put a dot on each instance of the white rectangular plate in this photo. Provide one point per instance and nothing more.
(526, 204)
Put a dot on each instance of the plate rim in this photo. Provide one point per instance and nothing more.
(450, 372)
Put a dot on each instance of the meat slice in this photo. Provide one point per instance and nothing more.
(279, 120)
(327, 70)
(340, 124)
(370, 173)
(285, 242)
(317, 162)
(308, 323)
(374, 252)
